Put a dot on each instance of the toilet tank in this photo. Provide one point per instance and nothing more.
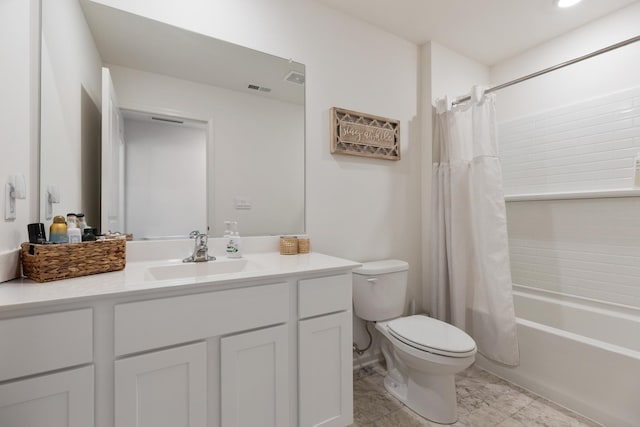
(380, 289)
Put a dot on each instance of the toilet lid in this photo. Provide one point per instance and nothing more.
(432, 335)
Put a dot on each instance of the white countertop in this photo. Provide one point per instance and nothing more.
(22, 293)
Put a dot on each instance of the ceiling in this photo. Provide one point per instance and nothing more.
(488, 31)
(134, 41)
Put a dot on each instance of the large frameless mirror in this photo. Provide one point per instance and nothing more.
(153, 130)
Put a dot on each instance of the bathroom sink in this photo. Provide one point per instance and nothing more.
(197, 269)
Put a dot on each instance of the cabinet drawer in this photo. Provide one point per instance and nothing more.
(163, 322)
(42, 343)
(324, 295)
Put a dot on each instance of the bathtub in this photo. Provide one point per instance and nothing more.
(581, 354)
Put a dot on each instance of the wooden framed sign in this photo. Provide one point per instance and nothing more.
(365, 135)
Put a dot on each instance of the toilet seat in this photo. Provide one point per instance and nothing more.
(432, 335)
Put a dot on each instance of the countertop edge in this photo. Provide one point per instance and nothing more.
(23, 294)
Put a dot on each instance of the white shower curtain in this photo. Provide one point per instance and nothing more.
(470, 273)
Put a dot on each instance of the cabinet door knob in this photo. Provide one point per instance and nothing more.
(372, 280)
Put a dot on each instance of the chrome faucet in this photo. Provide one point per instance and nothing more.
(200, 251)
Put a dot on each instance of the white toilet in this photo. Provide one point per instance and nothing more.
(422, 354)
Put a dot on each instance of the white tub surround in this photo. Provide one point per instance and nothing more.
(580, 353)
(262, 340)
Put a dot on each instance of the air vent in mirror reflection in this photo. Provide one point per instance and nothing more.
(259, 88)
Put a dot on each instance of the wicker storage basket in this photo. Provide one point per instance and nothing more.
(45, 263)
(288, 245)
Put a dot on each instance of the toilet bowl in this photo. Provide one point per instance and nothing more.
(422, 354)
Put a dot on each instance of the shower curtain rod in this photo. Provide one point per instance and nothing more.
(555, 67)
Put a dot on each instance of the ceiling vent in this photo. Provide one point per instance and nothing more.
(295, 77)
(259, 88)
(164, 119)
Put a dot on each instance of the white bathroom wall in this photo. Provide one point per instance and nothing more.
(587, 248)
(17, 116)
(158, 202)
(256, 145)
(453, 74)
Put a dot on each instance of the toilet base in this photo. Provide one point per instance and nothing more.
(431, 397)
(396, 389)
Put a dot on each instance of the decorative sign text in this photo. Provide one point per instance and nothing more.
(364, 134)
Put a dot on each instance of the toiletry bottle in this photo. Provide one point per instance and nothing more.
(82, 222)
(233, 244)
(73, 233)
(636, 171)
(36, 233)
(72, 220)
(88, 235)
(58, 230)
(238, 240)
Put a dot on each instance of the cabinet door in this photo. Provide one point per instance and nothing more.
(254, 378)
(63, 399)
(165, 388)
(326, 370)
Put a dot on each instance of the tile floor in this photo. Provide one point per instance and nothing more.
(483, 401)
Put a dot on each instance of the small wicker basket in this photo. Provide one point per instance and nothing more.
(288, 245)
(45, 263)
(303, 245)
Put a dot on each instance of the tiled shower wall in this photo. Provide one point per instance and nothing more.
(583, 247)
(585, 146)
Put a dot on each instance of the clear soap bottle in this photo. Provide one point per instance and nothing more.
(74, 235)
(233, 249)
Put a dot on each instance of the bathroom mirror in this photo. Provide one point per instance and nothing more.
(157, 131)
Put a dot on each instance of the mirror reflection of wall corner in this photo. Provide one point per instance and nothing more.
(249, 105)
(90, 149)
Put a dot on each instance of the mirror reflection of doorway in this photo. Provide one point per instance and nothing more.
(165, 175)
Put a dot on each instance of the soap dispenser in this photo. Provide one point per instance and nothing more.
(233, 244)
(227, 229)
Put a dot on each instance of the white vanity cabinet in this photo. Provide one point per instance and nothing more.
(325, 362)
(45, 370)
(271, 350)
